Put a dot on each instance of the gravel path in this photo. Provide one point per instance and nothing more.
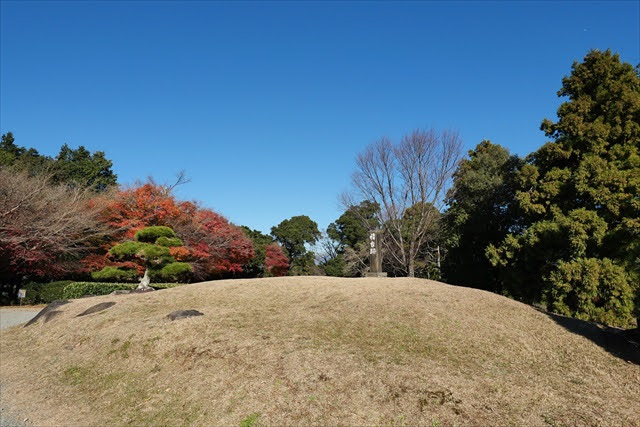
(8, 418)
(11, 317)
(15, 316)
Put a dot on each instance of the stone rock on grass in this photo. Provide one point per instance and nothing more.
(50, 315)
(183, 314)
(132, 291)
(96, 308)
(141, 290)
(51, 308)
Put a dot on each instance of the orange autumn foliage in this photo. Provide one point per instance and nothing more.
(213, 245)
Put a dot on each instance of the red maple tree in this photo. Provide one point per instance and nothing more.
(213, 245)
(276, 262)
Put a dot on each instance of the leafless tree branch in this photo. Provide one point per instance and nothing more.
(408, 180)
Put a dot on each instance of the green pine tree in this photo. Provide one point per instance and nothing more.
(579, 252)
(151, 250)
(481, 212)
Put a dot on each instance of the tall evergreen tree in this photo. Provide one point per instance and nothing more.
(348, 240)
(353, 226)
(480, 213)
(293, 234)
(580, 251)
(74, 167)
(20, 158)
(83, 168)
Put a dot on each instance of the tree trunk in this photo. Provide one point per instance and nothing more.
(412, 268)
(144, 283)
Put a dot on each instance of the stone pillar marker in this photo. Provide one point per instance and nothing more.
(375, 254)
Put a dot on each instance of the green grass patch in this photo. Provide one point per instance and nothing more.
(250, 421)
(122, 350)
(75, 375)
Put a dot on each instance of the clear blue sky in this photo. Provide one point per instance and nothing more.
(265, 105)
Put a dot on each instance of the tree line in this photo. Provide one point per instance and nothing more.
(66, 218)
(559, 227)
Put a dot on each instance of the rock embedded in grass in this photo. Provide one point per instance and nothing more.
(183, 314)
(132, 291)
(50, 315)
(141, 290)
(96, 308)
(48, 312)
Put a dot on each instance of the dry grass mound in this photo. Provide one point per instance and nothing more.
(313, 350)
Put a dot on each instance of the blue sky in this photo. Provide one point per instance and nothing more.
(266, 104)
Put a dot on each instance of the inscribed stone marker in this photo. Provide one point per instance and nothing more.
(375, 254)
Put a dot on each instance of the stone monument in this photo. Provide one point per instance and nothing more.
(375, 254)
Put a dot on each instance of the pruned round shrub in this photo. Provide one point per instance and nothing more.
(175, 271)
(157, 255)
(151, 234)
(154, 254)
(127, 249)
(114, 274)
(169, 241)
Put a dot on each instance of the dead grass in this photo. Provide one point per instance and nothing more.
(313, 350)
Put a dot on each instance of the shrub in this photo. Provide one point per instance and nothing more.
(114, 274)
(157, 255)
(127, 249)
(169, 241)
(175, 271)
(591, 289)
(153, 233)
(44, 293)
(82, 289)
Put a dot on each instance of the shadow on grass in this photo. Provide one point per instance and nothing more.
(621, 343)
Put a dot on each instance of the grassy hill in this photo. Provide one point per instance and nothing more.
(315, 350)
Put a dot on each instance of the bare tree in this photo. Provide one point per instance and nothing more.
(181, 179)
(325, 248)
(408, 180)
(355, 258)
(43, 226)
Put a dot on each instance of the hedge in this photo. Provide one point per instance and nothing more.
(44, 293)
(82, 289)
